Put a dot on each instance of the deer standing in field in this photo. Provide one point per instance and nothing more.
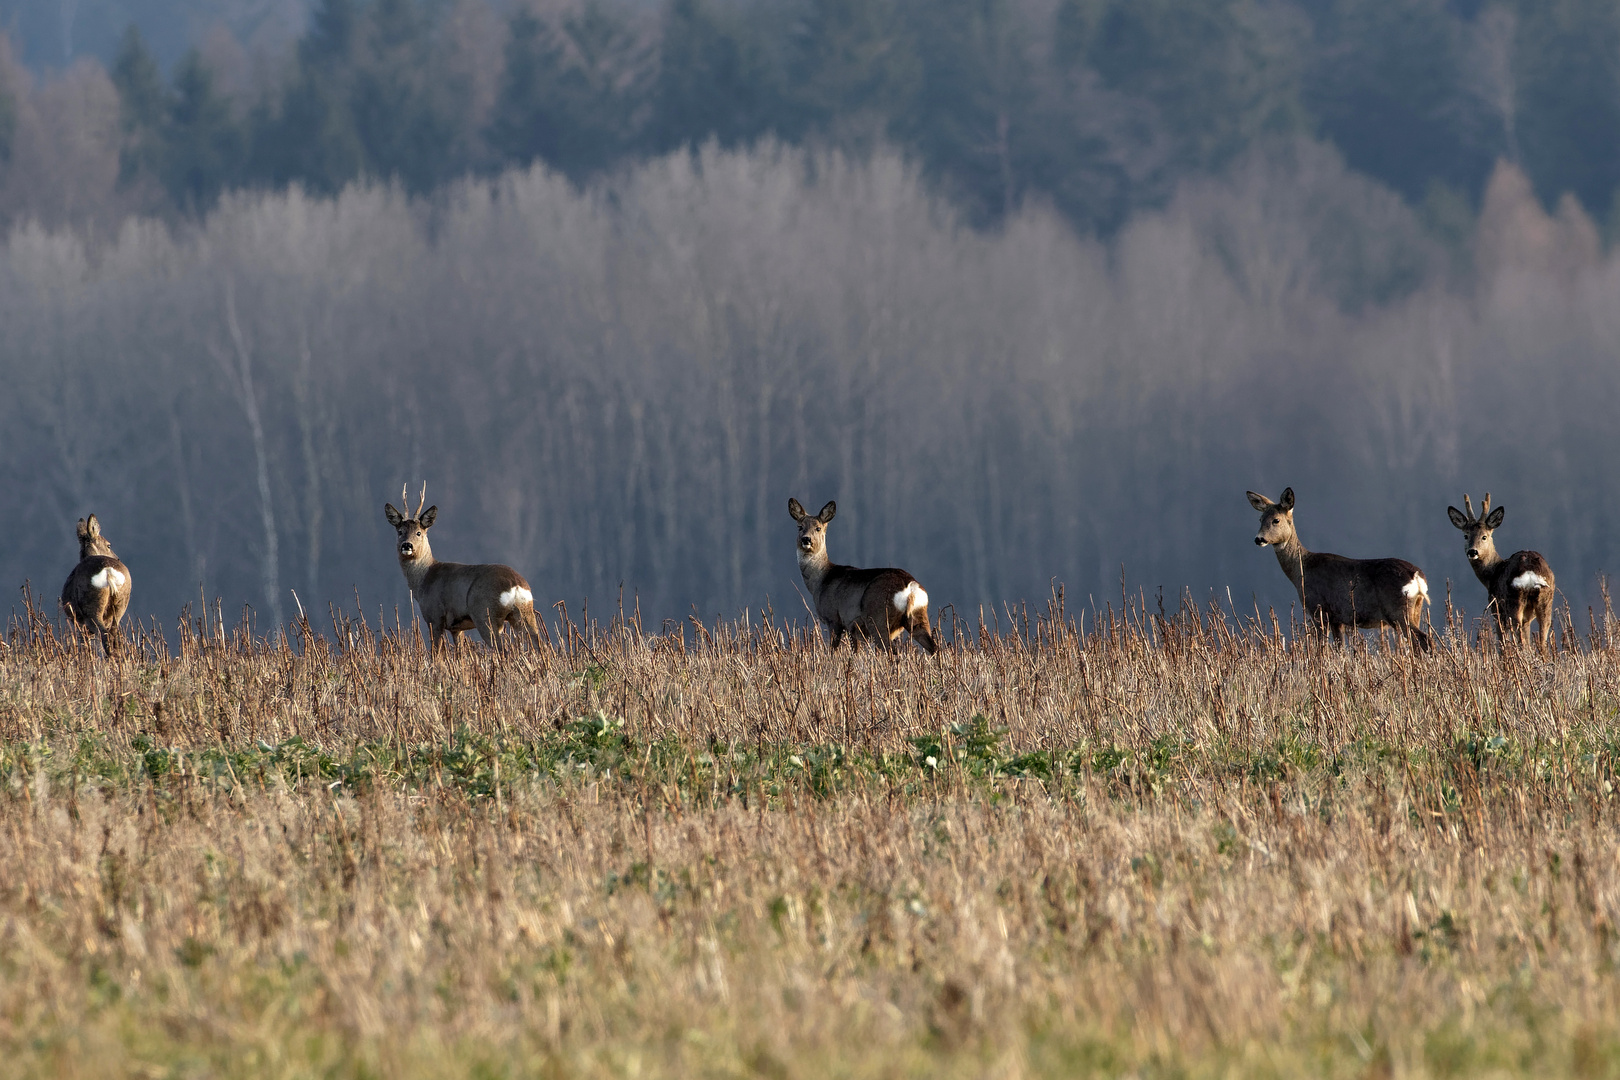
(1520, 586)
(879, 604)
(1346, 594)
(96, 593)
(457, 597)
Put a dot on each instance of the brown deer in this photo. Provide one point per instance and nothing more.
(1345, 594)
(96, 593)
(457, 597)
(879, 604)
(1520, 586)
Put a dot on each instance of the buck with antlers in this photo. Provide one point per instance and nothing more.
(456, 597)
(880, 604)
(96, 593)
(1346, 594)
(1520, 586)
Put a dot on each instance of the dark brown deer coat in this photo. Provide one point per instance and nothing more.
(1345, 594)
(457, 597)
(96, 593)
(1520, 586)
(878, 604)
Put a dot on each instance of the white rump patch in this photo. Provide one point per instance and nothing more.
(1529, 580)
(910, 598)
(108, 578)
(1416, 587)
(517, 594)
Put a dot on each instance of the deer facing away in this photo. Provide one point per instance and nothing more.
(456, 597)
(1520, 586)
(1346, 594)
(96, 593)
(880, 604)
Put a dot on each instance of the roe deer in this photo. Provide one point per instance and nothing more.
(1346, 594)
(96, 593)
(1520, 586)
(457, 597)
(868, 603)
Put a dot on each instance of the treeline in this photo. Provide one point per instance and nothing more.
(624, 384)
(1095, 107)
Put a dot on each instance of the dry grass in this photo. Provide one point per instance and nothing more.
(1161, 847)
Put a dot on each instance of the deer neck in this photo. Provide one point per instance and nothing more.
(416, 569)
(1490, 562)
(815, 568)
(1291, 557)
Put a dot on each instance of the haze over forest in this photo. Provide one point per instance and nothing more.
(1033, 288)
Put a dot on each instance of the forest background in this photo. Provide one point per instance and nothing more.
(1034, 288)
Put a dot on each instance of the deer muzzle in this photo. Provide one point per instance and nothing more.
(407, 550)
(1259, 541)
(1473, 554)
(806, 544)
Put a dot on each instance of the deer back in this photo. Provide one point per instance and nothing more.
(1363, 592)
(453, 594)
(1523, 571)
(849, 592)
(97, 590)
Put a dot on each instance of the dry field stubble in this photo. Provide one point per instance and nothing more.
(1164, 847)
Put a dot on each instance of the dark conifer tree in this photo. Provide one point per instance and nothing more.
(203, 141)
(142, 107)
(567, 93)
(717, 78)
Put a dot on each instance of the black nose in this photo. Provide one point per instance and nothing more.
(1259, 541)
(1473, 553)
(407, 550)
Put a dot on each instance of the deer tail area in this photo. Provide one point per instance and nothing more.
(910, 598)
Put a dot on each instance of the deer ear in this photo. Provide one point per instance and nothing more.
(1258, 501)
(1286, 503)
(1494, 518)
(827, 512)
(83, 531)
(394, 516)
(428, 516)
(1456, 517)
(92, 526)
(795, 511)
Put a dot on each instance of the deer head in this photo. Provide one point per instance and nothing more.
(412, 528)
(1276, 518)
(812, 528)
(1477, 530)
(91, 542)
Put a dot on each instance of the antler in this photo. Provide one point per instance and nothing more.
(1485, 507)
(405, 501)
(1468, 506)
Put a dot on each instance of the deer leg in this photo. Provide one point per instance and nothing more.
(529, 622)
(487, 628)
(837, 632)
(1502, 624)
(921, 634)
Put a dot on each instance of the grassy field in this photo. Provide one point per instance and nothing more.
(1160, 846)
